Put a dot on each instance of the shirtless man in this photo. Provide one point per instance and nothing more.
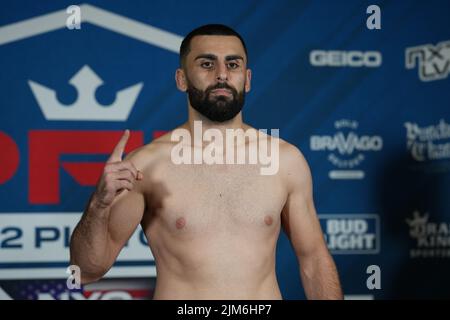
(212, 228)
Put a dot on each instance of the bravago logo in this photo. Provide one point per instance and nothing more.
(432, 239)
(351, 233)
(427, 143)
(432, 61)
(347, 149)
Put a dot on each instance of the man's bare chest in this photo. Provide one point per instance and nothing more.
(222, 198)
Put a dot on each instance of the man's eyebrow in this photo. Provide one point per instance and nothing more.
(234, 57)
(209, 56)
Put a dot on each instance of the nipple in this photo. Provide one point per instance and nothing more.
(268, 220)
(180, 223)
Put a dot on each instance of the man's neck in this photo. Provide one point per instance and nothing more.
(197, 124)
(235, 123)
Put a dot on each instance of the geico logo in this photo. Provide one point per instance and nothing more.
(346, 144)
(335, 58)
(346, 226)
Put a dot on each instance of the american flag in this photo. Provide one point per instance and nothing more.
(136, 289)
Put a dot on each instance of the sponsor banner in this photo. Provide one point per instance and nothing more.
(351, 233)
(339, 58)
(428, 143)
(431, 238)
(347, 149)
(35, 245)
(432, 61)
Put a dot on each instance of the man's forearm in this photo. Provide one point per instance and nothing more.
(89, 243)
(91, 247)
(320, 278)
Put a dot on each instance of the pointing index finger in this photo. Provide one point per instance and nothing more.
(117, 153)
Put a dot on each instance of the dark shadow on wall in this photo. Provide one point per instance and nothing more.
(412, 195)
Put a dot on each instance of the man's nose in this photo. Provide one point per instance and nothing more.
(222, 72)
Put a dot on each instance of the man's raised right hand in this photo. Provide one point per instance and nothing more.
(117, 176)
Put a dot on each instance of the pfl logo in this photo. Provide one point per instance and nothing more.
(351, 233)
(433, 61)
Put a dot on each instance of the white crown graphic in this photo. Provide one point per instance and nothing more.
(85, 107)
(418, 219)
(86, 81)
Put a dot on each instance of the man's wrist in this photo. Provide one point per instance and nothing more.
(98, 207)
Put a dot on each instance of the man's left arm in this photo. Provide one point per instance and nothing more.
(299, 219)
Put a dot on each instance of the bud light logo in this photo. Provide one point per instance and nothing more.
(351, 233)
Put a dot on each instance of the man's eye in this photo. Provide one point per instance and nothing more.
(233, 65)
(206, 64)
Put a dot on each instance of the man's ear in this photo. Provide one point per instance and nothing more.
(180, 79)
(248, 79)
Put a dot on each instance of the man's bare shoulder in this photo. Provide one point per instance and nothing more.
(149, 154)
(294, 168)
(291, 158)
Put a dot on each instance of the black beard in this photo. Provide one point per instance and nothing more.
(216, 108)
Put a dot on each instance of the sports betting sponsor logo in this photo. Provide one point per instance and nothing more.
(432, 239)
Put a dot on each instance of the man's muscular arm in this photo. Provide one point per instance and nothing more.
(317, 268)
(111, 216)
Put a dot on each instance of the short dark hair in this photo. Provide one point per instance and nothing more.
(207, 30)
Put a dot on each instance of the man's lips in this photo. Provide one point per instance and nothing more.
(225, 92)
